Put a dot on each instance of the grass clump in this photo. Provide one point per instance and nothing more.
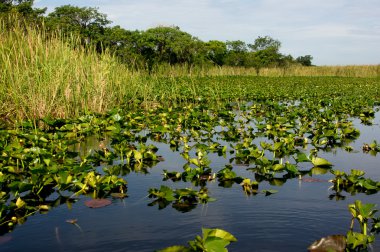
(44, 75)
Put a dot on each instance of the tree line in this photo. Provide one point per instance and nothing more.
(154, 46)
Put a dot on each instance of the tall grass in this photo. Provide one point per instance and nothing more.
(365, 71)
(340, 71)
(42, 74)
(45, 75)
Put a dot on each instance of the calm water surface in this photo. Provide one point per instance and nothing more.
(289, 220)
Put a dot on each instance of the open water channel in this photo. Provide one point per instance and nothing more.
(290, 220)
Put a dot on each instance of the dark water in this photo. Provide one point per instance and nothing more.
(289, 220)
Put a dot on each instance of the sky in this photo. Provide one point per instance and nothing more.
(334, 32)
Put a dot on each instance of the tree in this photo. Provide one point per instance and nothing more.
(236, 46)
(264, 58)
(263, 43)
(305, 60)
(216, 52)
(88, 22)
(168, 44)
(236, 53)
(23, 7)
(124, 44)
(265, 53)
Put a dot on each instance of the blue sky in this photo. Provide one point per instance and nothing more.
(334, 32)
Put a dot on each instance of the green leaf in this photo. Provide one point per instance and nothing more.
(220, 233)
(47, 161)
(214, 244)
(338, 173)
(224, 149)
(357, 173)
(278, 145)
(43, 139)
(194, 161)
(368, 210)
(301, 157)
(355, 239)
(291, 168)
(137, 155)
(168, 193)
(111, 128)
(320, 162)
(368, 185)
(278, 167)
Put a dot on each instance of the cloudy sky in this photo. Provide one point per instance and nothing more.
(334, 32)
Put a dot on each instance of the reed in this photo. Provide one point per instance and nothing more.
(44, 75)
(365, 71)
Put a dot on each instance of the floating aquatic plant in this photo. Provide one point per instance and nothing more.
(211, 240)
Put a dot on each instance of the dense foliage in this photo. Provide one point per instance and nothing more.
(155, 46)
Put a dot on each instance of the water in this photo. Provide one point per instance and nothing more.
(289, 220)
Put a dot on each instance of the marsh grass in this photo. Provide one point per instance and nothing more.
(43, 74)
(365, 71)
(339, 71)
(49, 76)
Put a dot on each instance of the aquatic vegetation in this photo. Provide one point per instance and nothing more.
(183, 200)
(249, 187)
(36, 166)
(354, 182)
(211, 240)
(227, 177)
(372, 148)
(264, 132)
(353, 241)
(362, 213)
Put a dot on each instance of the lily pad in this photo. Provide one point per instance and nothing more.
(320, 162)
(97, 203)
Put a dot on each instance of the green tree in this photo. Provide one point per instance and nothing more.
(23, 7)
(264, 58)
(237, 53)
(170, 45)
(88, 22)
(124, 44)
(264, 43)
(216, 52)
(265, 53)
(305, 60)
